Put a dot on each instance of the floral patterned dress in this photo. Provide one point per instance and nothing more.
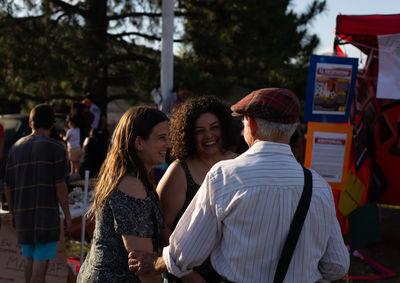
(121, 215)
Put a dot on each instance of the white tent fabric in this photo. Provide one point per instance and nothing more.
(389, 67)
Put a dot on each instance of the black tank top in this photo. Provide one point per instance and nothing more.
(205, 269)
(191, 190)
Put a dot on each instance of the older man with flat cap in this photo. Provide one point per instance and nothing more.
(243, 211)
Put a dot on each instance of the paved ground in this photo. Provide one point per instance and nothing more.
(385, 253)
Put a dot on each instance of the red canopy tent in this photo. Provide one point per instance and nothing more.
(365, 28)
(375, 158)
(377, 119)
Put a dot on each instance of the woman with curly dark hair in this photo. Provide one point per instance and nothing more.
(202, 132)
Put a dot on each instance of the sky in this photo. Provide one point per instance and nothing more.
(324, 24)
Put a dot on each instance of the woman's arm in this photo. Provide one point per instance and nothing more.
(85, 143)
(172, 193)
(67, 135)
(134, 187)
(141, 244)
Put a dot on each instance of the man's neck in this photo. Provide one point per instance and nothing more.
(277, 140)
(41, 132)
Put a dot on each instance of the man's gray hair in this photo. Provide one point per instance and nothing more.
(271, 129)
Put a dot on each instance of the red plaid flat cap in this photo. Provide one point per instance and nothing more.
(277, 105)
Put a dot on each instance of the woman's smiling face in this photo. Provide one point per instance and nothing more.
(207, 134)
(152, 151)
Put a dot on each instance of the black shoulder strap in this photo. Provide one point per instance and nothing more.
(295, 228)
(185, 167)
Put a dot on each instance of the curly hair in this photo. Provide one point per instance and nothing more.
(183, 120)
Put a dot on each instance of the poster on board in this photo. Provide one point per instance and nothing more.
(328, 151)
(330, 88)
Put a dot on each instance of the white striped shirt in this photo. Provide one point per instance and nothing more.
(241, 216)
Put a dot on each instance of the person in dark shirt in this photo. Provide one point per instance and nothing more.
(94, 152)
(34, 186)
(82, 122)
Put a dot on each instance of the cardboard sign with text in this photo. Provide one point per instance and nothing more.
(12, 263)
(328, 151)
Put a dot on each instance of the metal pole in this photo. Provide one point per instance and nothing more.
(167, 57)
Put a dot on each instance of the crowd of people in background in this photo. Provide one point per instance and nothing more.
(207, 185)
(87, 139)
(38, 173)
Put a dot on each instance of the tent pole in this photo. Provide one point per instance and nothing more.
(167, 59)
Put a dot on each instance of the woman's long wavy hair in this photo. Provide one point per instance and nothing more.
(122, 156)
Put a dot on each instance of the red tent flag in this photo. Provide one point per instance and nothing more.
(378, 120)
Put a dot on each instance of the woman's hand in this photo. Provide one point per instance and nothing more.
(146, 263)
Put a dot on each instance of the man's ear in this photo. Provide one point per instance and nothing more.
(31, 124)
(253, 126)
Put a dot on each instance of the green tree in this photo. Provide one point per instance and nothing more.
(248, 44)
(63, 49)
(55, 49)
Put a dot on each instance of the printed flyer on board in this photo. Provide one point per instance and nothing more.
(328, 151)
(332, 84)
(330, 88)
(328, 155)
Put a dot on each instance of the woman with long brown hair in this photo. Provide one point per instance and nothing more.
(126, 206)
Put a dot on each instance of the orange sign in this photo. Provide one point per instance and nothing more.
(327, 151)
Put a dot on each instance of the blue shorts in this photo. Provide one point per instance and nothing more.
(39, 251)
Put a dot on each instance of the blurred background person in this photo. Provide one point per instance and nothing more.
(94, 152)
(1, 143)
(175, 99)
(92, 108)
(82, 122)
(72, 137)
(203, 132)
(126, 206)
(298, 144)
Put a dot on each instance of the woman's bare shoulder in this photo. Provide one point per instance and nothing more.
(133, 187)
(174, 170)
(173, 179)
(230, 154)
